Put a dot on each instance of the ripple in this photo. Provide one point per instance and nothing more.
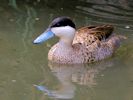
(113, 12)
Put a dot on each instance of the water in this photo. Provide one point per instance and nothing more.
(24, 66)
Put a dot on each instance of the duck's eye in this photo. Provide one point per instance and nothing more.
(58, 24)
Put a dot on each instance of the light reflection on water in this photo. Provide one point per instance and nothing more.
(22, 64)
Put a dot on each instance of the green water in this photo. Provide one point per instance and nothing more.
(24, 65)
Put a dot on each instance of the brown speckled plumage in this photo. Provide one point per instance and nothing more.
(87, 44)
(90, 44)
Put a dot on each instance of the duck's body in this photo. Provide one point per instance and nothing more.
(86, 45)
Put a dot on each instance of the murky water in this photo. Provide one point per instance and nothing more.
(24, 66)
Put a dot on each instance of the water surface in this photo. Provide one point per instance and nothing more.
(23, 65)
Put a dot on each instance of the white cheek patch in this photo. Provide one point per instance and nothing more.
(66, 31)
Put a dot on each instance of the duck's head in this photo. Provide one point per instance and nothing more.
(62, 27)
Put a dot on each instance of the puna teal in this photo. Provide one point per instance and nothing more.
(85, 45)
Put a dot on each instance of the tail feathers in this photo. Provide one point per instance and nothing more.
(116, 40)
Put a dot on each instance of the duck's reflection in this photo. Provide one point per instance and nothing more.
(67, 75)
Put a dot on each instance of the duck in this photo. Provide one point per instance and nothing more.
(85, 45)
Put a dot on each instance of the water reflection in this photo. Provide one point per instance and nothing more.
(113, 11)
(22, 64)
(69, 75)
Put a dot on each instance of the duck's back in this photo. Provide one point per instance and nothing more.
(98, 42)
(90, 34)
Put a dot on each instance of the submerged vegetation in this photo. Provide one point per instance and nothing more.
(124, 4)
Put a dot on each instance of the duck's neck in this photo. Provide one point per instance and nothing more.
(65, 43)
(61, 52)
